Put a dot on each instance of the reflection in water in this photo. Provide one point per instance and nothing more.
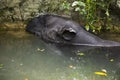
(25, 57)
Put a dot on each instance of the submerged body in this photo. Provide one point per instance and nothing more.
(57, 29)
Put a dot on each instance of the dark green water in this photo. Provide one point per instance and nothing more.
(25, 57)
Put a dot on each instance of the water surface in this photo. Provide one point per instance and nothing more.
(24, 56)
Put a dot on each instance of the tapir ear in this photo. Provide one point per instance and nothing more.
(68, 34)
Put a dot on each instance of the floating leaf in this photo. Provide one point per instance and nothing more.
(42, 50)
(104, 70)
(80, 54)
(101, 73)
(72, 67)
(38, 49)
(111, 60)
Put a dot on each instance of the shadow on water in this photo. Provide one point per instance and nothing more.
(25, 57)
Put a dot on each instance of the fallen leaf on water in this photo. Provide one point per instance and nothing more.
(42, 50)
(80, 54)
(111, 60)
(72, 67)
(103, 72)
(38, 49)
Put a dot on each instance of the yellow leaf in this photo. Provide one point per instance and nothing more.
(80, 54)
(101, 73)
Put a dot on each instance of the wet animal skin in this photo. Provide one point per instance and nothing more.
(58, 29)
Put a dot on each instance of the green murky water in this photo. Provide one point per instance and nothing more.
(25, 57)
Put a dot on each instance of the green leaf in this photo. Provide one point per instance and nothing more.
(75, 3)
(88, 1)
(77, 9)
(107, 13)
(80, 54)
(87, 27)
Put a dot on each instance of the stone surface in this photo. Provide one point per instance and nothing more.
(12, 10)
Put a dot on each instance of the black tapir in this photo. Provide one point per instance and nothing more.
(58, 29)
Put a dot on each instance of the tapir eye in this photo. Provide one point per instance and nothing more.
(68, 34)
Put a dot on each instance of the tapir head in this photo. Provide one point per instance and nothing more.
(57, 29)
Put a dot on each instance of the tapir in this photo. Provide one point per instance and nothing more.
(62, 30)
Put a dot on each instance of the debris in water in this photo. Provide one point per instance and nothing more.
(38, 49)
(80, 54)
(72, 67)
(103, 72)
(111, 60)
